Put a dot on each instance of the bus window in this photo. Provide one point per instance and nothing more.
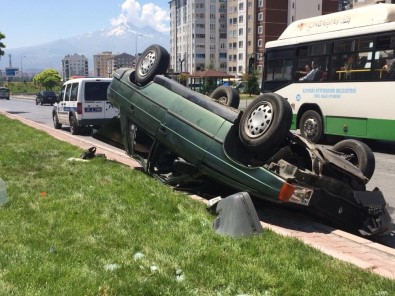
(382, 60)
(279, 70)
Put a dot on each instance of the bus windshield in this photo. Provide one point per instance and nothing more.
(338, 73)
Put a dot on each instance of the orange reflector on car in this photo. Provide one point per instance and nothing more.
(286, 192)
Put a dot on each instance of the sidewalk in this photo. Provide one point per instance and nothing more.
(361, 252)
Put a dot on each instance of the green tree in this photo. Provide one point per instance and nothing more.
(49, 78)
(2, 45)
(252, 87)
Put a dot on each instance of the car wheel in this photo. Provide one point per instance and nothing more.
(153, 61)
(56, 123)
(265, 122)
(359, 154)
(226, 95)
(36, 102)
(311, 126)
(74, 128)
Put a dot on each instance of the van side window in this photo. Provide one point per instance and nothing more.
(96, 91)
(62, 91)
(67, 93)
(74, 91)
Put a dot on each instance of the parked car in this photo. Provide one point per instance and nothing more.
(82, 103)
(46, 97)
(4, 93)
(180, 136)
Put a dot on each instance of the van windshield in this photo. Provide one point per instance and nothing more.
(96, 91)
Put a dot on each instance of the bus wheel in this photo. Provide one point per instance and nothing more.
(311, 126)
(153, 61)
(265, 122)
(226, 95)
(359, 154)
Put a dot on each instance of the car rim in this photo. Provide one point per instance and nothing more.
(259, 120)
(310, 127)
(147, 63)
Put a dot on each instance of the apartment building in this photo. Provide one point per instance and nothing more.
(198, 35)
(74, 65)
(103, 64)
(123, 60)
(230, 35)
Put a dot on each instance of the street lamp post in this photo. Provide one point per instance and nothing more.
(22, 67)
(135, 57)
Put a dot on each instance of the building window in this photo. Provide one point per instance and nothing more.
(241, 19)
(241, 32)
(240, 44)
(260, 16)
(260, 3)
(260, 42)
(240, 56)
(241, 6)
(260, 29)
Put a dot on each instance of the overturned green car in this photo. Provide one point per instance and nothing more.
(179, 136)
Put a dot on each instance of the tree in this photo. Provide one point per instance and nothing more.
(252, 87)
(49, 78)
(2, 45)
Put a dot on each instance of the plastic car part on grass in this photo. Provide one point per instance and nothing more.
(265, 122)
(226, 95)
(237, 216)
(153, 61)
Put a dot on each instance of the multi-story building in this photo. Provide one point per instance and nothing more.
(103, 64)
(231, 35)
(198, 35)
(74, 65)
(123, 60)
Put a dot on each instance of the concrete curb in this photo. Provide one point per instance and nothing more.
(356, 250)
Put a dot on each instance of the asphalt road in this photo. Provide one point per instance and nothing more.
(383, 178)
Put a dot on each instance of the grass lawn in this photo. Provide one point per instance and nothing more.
(100, 228)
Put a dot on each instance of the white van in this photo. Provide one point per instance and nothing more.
(83, 102)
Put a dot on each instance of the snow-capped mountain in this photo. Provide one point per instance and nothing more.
(118, 39)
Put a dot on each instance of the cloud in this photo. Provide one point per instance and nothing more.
(143, 15)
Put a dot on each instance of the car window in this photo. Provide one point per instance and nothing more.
(67, 93)
(61, 95)
(74, 91)
(49, 93)
(96, 91)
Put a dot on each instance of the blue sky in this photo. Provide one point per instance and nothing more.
(33, 22)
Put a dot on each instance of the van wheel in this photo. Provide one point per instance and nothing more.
(153, 61)
(74, 128)
(56, 123)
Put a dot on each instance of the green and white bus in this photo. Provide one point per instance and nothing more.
(352, 91)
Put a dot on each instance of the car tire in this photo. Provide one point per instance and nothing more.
(265, 122)
(226, 95)
(74, 128)
(56, 123)
(153, 61)
(36, 102)
(311, 126)
(359, 154)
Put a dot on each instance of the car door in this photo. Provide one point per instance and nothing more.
(62, 109)
(95, 95)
